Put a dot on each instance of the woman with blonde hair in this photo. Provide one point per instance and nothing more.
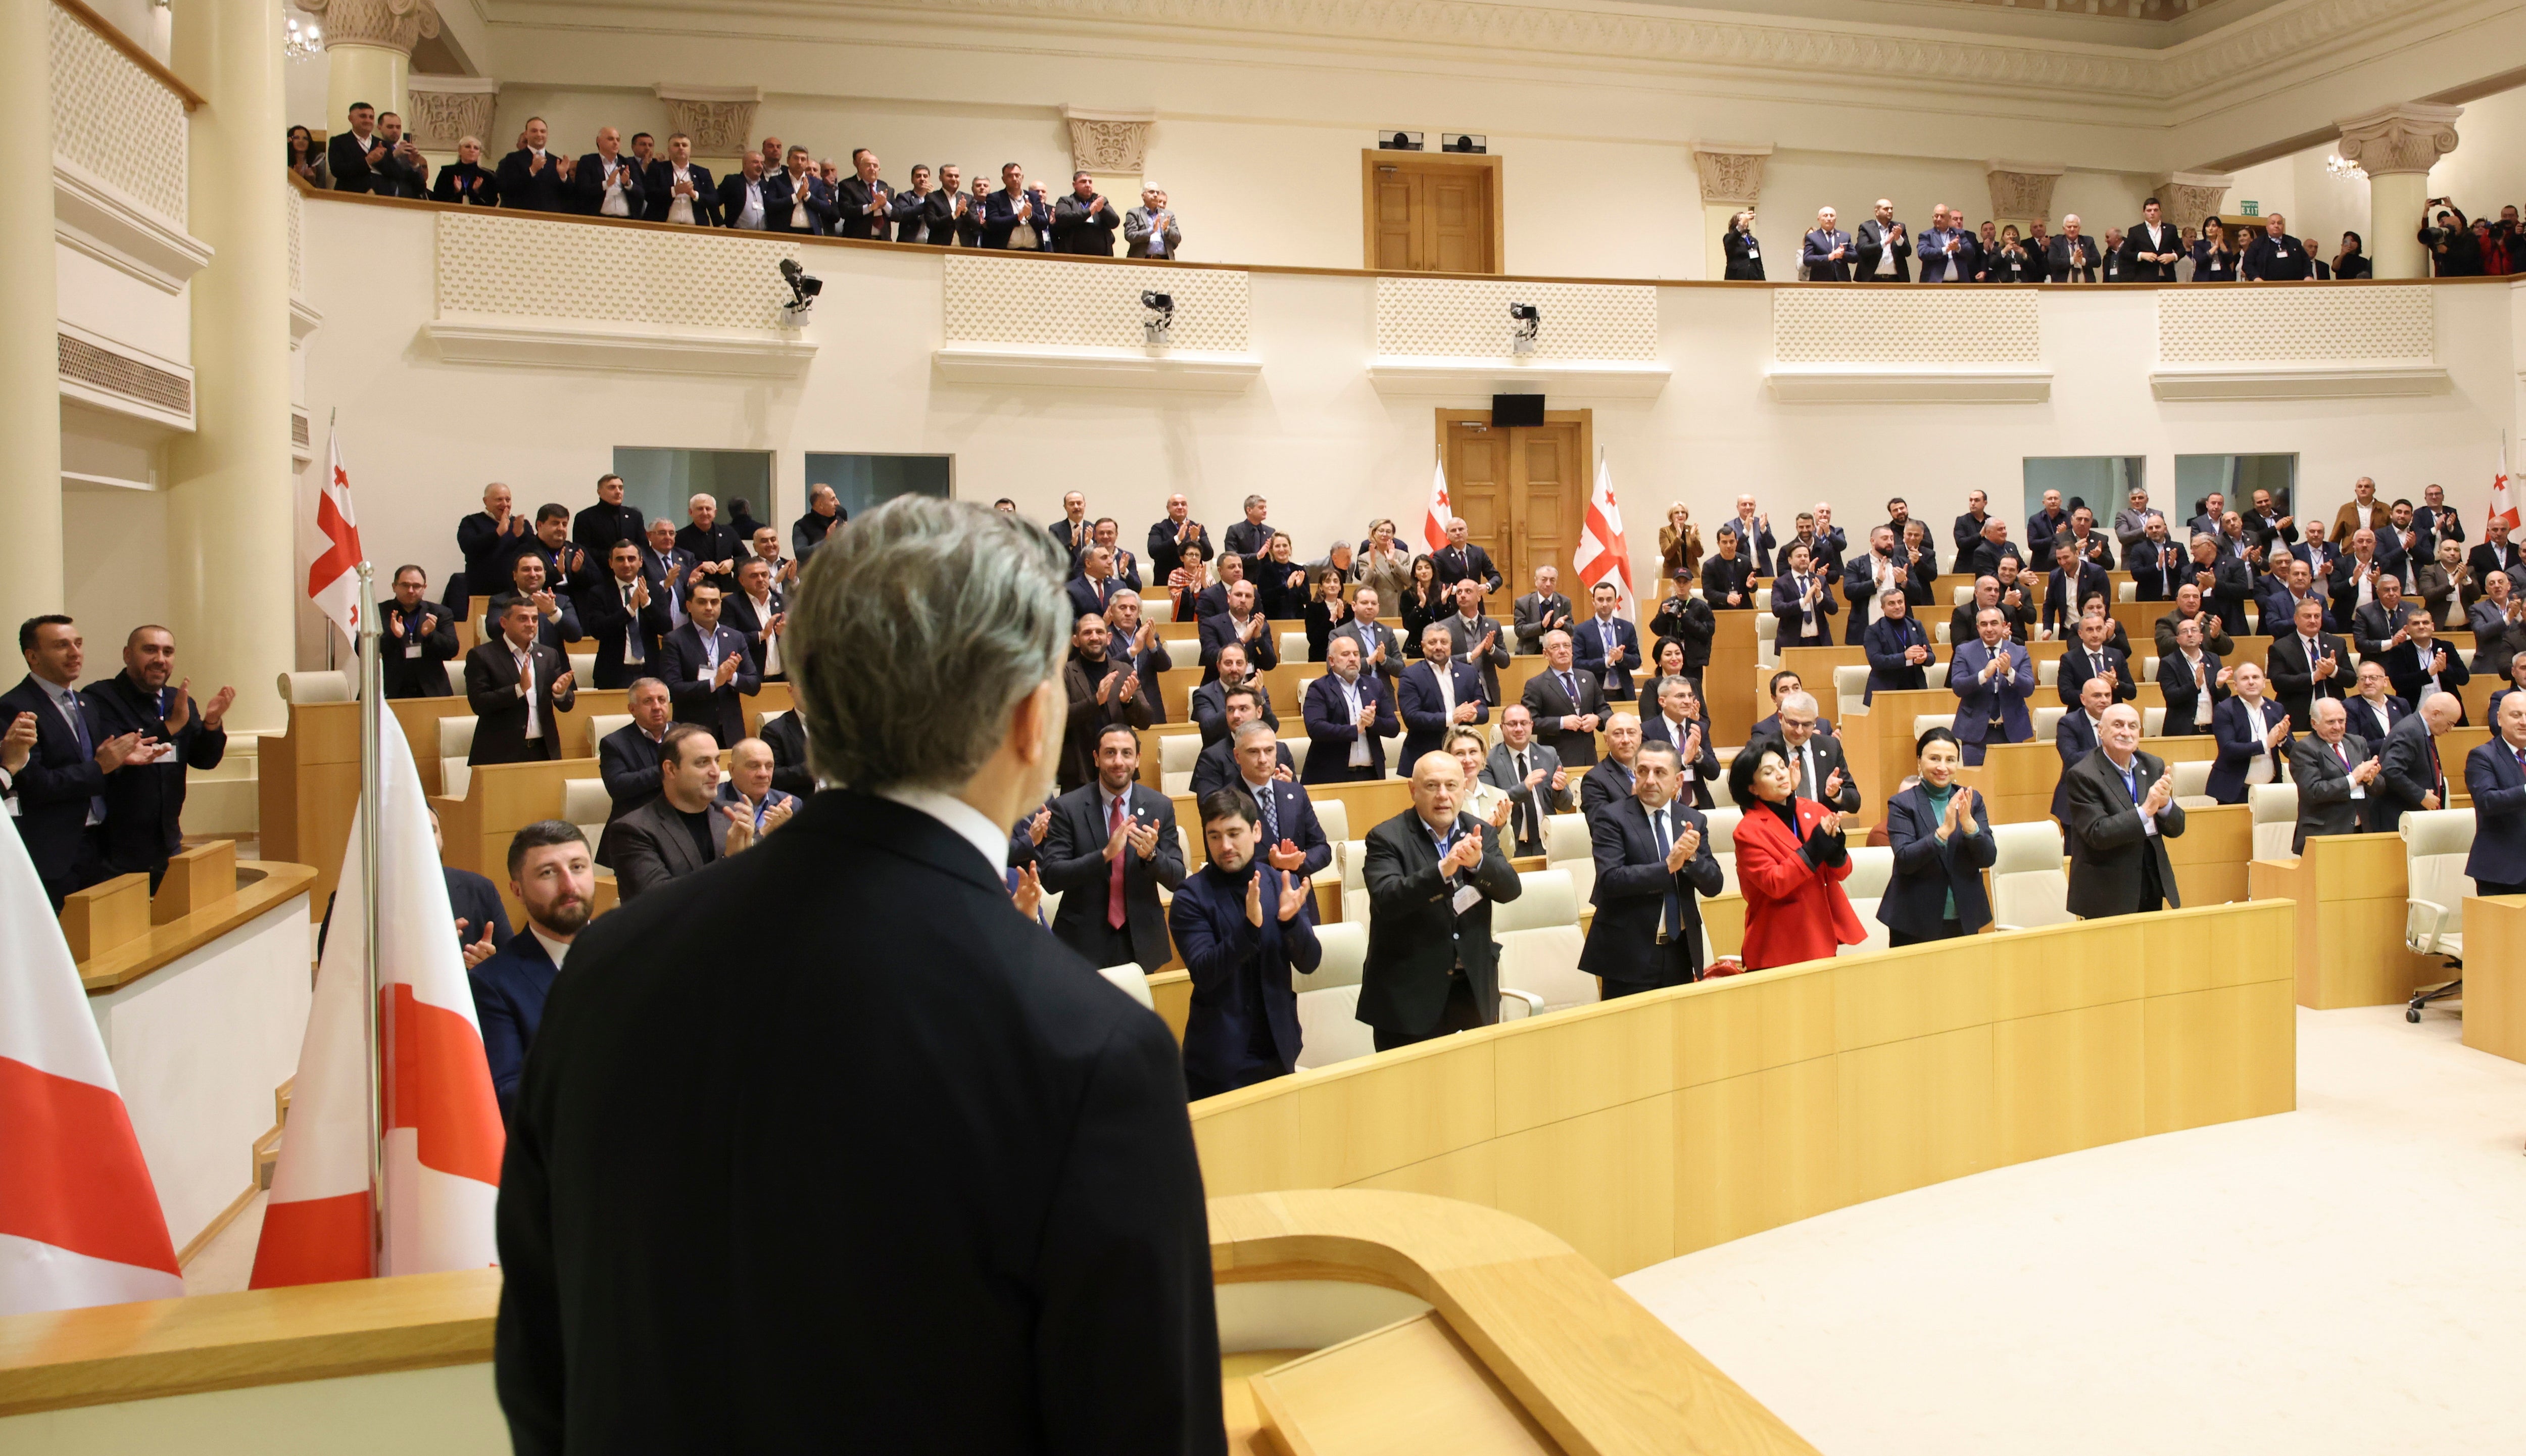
(1385, 565)
(1679, 547)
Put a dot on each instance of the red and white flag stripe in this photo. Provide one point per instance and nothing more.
(444, 1135)
(2504, 496)
(334, 577)
(1434, 524)
(1603, 554)
(80, 1217)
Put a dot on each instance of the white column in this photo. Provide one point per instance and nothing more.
(2397, 145)
(1732, 180)
(231, 505)
(367, 53)
(31, 392)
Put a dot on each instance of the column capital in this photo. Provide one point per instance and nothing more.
(388, 25)
(2187, 197)
(719, 119)
(1731, 172)
(443, 110)
(2021, 189)
(1115, 141)
(2409, 137)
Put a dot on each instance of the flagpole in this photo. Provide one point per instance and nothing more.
(375, 1017)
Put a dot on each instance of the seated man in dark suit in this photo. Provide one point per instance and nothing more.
(785, 734)
(416, 638)
(2494, 775)
(628, 757)
(481, 922)
(1780, 685)
(624, 617)
(1432, 875)
(1210, 700)
(533, 177)
(1242, 625)
(1245, 930)
(2076, 736)
(1111, 846)
(2122, 812)
(555, 882)
(1654, 864)
(1215, 767)
(519, 688)
(2192, 682)
(2333, 770)
(707, 668)
(144, 799)
(2092, 657)
(749, 789)
(1348, 719)
(685, 827)
(2253, 735)
(1567, 705)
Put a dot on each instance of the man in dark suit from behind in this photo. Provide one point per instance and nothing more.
(555, 882)
(666, 1124)
(519, 688)
(707, 668)
(1246, 930)
(533, 177)
(2412, 775)
(1654, 864)
(144, 801)
(1433, 874)
(416, 639)
(1111, 846)
(352, 157)
(2122, 812)
(2494, 775)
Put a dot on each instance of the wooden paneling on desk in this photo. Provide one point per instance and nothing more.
(2348, 890)
(2495, 975)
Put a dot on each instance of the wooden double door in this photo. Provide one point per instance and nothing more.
(1430, 212)
(1523, 492)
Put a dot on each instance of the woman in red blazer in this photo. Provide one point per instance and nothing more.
(1791, 862)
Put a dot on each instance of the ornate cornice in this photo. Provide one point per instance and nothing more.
(1109, 141)
(1731, 172)
(391, 24)
(2410, 137)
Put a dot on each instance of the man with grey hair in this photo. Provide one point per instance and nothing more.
(1349, 717)
(666, 1124)
(1531, 775)
(1251, 536)
(2410, 776)
(2334, 769)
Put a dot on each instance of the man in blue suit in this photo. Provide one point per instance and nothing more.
(1607, 645)
(1244, 929)
(1992, 677)
(1436, 694)
(1348, 719)
(797, 200)
(1016, 204)
(2495, 773)
(707, 668)
(1898, 647)
(1292, 840)
(1827, 253)
(2077, 735)
(2253, 733)
(1654, 867)
(555, 881)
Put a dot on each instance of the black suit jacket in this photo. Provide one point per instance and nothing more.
(1216, 769)
(2183, 699)
(55, 787)
(2504, 559)
(1073, 863)
(598, 528)
(2137, 241)
(731, 199)
(1551, 703)
(144, 803)
(742, 616)
(1210, 708)
(786, 737)
(682, 656)
(605, 617)
(2409, 671)
(932, 218)
(2324, 802)
(1415, 936)
(2409, 767)
(1868, 246)
(404, 675)
(500, 710)
(2294, 679)
(631, 764)
(2281, 259)
(1454, 564)
(346, 161)
(2107, 841)
(1633, 882)
(2078, 665)
(2071, 261)
(1083, 227)
(657, 192)
(540, 191)
(1262, 653)
(2062, 606)
(667, 1124)
(853, 196)
(1926, 872)
(468, 182)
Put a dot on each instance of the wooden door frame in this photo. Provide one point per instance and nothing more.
(1444, 418)
(1371, 157)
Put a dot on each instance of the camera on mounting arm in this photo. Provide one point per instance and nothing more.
(803, 288)
(1529, 322)
(1162, 317)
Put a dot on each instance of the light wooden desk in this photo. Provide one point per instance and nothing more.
(2495, 975)
(2348, 890)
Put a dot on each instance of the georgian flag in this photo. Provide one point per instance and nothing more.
(2504, 500)
(1434, 525)
(80, 1217)
(1603, 554)
(333, 578)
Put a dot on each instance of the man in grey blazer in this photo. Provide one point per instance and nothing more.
(1149, 229)
(653, 844)
(2332, 769)
(1478, 639)
(1531, 775)
(1540, 611)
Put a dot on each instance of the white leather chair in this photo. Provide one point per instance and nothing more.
(1351, 857)
(1766, 632)
(2047, 673)
(582, 667)
(455, 742)
(1332, 816)
(1722, 844)
(1297, 747)
(602, 725)
(1872, 866)
(2436, 844)
(1720, 797)
(1567, 848)
(2149, 670)
(2153, 722)
(1330, 1029)
(1851, 685)
(1539, 941)
(1176, 753)
(319, 687)
(1158, 606)
(1135, 983)
(1545, 897)
(2192, 784)
(2275, 815)
(1963, 593)
(1293, 646)
(1942, 629)
(2126, 591)
(584, 803)
(2047, 721)
(1922, 722)
(2028, 885)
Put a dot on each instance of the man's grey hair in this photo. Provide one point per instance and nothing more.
(1254, 727)
(1252, 501)
(1659, 693)
(1803, 702)
(914, 635)
(2316, 710)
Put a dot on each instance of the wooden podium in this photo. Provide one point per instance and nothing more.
(2211, 854)
(2350, 892)
(2495, 975)
(1879, 744)
(2017, 781)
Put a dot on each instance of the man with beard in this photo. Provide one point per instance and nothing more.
(554, 879)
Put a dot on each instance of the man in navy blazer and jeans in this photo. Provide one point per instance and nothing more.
(1244, 929)
(554, 879)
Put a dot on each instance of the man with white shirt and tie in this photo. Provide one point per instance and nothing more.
(1438, 695)
(606, 183)
(1094, 585)
(2308, 663)
(519, 688)
(1825, 252)
(57, 799)
(2089, 657)
(2191, 680)
(1613, 776)
(2253, 733)
(1348, 718)
(2122, 811)
(680, 189)
(625, 617)
(2333, 770)
(1532, 774)
(1607, 645)
(1461, 560)
(1653, 862)
(1567, 704)
(1817, 768)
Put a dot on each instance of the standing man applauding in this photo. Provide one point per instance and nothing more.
(1432, 875)
(1111, 846)
(1827, 251)
(1653, 863)
(2122, 812)
(1246, 930)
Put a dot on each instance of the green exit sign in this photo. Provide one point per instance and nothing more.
(2252, 209)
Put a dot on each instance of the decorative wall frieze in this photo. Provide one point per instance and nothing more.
(1110, 141)
(719, 119)
(1731, 172)
(388, 25)
(2187, 197)
(2407, 137)
(439, 111)
(2021, 189)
